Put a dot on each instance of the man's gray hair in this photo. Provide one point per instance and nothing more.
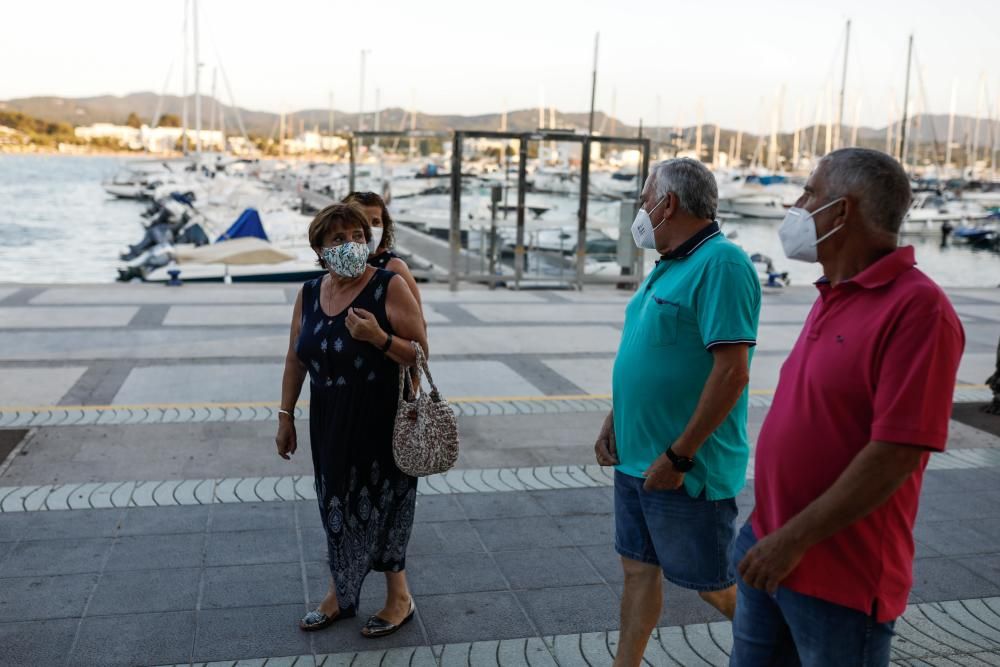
(874, 179)
(691, 181)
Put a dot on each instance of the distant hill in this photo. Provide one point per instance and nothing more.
(113, 109)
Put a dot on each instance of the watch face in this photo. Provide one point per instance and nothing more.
(680, 463)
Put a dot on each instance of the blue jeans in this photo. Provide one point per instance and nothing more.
(791, 629)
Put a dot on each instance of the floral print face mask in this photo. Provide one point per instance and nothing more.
(348, 259)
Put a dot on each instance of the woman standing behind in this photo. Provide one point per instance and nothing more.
(350, 331)
(383, 238)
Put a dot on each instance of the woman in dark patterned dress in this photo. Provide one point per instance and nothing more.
(350, 331)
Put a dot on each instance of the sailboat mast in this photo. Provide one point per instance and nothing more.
(796, 137)
(843, 87)
(697, 132)
(215, 104)
(197, 79)
(329, 122)
(593, 86)
(906, 103)
(951, 125)
(413, 122)
(184, 80)
(361, 93)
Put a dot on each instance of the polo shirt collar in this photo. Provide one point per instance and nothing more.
(686, 249)
(882, 272)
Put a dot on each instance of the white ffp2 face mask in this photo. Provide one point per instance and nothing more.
(376, 239)
(643, 229)
(798, 233)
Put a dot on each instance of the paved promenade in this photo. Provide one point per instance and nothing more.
(145, 519)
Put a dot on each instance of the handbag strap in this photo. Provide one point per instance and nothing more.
(405, 383)
(422, 364)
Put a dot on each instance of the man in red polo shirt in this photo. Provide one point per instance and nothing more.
(826, 561)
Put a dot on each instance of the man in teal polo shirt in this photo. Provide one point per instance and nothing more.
(677, 433)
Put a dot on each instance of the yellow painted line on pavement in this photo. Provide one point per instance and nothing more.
(275, 404)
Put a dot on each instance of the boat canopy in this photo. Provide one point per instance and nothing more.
(248, 224)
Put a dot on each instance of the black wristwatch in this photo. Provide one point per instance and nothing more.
(680, 463)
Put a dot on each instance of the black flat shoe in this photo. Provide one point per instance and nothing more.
(379, 627)
(317, 620)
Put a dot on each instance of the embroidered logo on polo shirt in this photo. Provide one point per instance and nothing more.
(840, 339)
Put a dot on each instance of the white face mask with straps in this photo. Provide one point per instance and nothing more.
(798, 233)
(376, 239)
(643, 229)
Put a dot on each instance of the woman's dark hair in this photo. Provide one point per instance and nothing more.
(346, 216)
(373, 199)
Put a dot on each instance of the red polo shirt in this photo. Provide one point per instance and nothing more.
(876, 360)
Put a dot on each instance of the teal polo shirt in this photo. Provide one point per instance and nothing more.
(705, 293)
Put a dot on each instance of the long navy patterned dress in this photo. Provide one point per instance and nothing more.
(365, 501)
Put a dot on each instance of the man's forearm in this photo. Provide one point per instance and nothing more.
(870, 479)
(723, 389)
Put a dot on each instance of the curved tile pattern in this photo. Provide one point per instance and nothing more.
(277, 489)
(963, 632)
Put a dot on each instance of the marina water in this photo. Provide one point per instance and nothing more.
(57, 225)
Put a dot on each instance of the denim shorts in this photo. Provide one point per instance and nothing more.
(690, 539)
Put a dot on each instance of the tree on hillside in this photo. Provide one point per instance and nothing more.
(169, 120)
(134, 120)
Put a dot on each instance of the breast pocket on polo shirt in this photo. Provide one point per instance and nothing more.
(661, 321)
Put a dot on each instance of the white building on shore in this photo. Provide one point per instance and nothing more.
(153, 139)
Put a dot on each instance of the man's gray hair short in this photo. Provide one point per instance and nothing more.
(691, 181)
(874, 179)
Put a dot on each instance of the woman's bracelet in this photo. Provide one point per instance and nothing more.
(388, 343)
(282, 411)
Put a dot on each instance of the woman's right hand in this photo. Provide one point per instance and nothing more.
(286, 440)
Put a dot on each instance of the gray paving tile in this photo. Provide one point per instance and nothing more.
(467, 617)
(985, 567)
(448, 537)
(372, 591)
(157, 552)
(250, 632)
(313, 542)
(547, 568)
(606, 561)
(73, 524)
(453, 573)
(14, 524)
(558, 611)
(588, 529)
(500, 505)
(960, 538)
(952, 481)
(937, 579)
(252, 516)
(252, 547)
(252, 585)
(439, 508)
(54, 557)
(522, 533)
(36, 642)
(49, 597)
(146, 591)
(164, 520)
(150, 639)
(682, 606)
(568, 502)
